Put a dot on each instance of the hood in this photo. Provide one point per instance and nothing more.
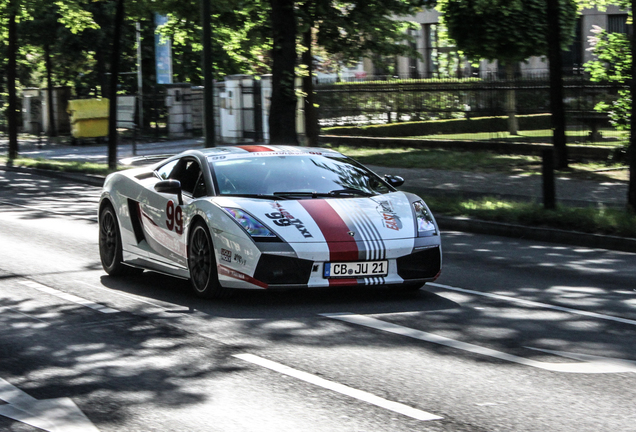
(381, 217)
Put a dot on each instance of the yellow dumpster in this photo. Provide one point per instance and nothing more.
(89, 117)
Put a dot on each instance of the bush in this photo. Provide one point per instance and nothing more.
(436, 127)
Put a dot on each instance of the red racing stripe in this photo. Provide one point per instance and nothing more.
(255, 148)
(342, 246)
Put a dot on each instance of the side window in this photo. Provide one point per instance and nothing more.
(188, 172)
(189, 176)
(199, 189)
(165, 170)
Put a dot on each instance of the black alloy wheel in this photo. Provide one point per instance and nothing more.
(110, 249)
(202, 264)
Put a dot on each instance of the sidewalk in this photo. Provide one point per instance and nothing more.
(423, 181)
(98, 152)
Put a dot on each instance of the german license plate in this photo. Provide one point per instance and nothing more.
(356, 269)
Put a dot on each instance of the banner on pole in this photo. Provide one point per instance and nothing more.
(163, 53)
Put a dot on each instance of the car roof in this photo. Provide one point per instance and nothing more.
(264, 150)
(245, 150)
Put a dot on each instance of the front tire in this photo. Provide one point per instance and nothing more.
(202, 264)
(110, 249)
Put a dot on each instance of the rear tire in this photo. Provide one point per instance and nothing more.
(202, 264)
(110, 249)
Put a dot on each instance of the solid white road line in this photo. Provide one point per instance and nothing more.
(340, 388)
(51, 415)
(70, 297)
(537, 304)
(598, 365)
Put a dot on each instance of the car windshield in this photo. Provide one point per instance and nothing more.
(294, 177)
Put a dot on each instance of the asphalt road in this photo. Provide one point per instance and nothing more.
(515, 336)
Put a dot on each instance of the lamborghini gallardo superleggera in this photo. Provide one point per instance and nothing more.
(267, 217)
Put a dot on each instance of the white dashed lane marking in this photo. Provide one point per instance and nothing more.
(340, 388)
(69, 297)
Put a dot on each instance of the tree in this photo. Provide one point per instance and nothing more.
(12, 117)
(43, 30)
(282, 112)
(351, 30)
(615, 63)
(508, 32)
(114, 71)
(73, 17)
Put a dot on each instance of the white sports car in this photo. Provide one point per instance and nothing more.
(265, 217)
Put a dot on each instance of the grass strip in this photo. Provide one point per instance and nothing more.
(480, 161)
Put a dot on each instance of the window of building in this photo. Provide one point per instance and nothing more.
(573, 55)
(617, 23)
(430, 49)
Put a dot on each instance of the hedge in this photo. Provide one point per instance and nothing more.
(437, 127)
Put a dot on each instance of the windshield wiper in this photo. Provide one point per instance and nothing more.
(292, 193)
(332, 193)
(349, 191)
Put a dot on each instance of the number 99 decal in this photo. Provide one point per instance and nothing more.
(175, 218)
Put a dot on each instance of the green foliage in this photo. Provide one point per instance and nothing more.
(409, 129)
(356, 28)
(509, 31)
(613, 64)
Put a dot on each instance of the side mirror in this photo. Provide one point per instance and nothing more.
(170, 187)
(394, 181)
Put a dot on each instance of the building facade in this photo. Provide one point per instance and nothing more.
(438, 60)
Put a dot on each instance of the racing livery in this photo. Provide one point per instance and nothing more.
(265, 216)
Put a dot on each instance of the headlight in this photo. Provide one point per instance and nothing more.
(424, 220)
(252, 226)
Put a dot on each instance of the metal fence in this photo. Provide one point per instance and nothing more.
(376, 102)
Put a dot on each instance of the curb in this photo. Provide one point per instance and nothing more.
(456, 223)
(88, 179)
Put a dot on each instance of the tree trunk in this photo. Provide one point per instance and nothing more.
(12, 114)
(511, 101)
(208, 87)
(556, 85)
(114, 71)
(52, 132)
(311, 121)
(631, 190)
(282, 112)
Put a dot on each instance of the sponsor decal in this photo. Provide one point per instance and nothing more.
(390, 218)
(226, 271)
(230, 244)
(283, 218)
(226, 255)
(239, 259)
